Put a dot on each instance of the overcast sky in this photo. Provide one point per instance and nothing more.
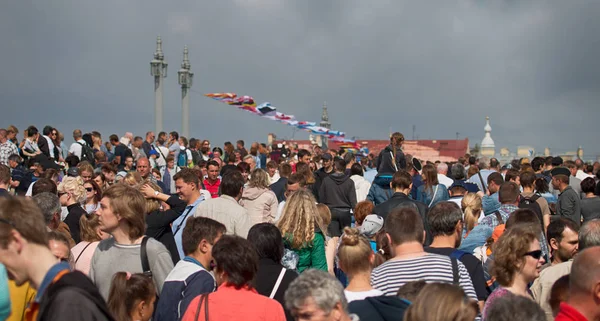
(442, 65)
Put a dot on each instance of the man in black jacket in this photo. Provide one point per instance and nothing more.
(339, 194)
(323, 172)
(401, 185)
(61, 294)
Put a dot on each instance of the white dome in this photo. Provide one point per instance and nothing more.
(487, 142)
(487, 139)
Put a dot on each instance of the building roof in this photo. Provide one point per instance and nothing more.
(444, 150)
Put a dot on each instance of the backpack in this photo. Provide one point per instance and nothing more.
(182, 160)
(532, 204)
(196, 158)
(87, 154)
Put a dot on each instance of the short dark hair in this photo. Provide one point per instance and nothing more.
(232, 183)
(457, 171)
(4, 174)
(401, 179)
(108, 168)
(174, 134)
(339, 165)
(113, 138)
(523, 216)
(496, 178)
(511, 174)
(32, 130)
(240, 142)
(187, 175)
(527, 178)
(296, 178)
(47, 130)
(404, 225)
(588, 185)
(356, 169)
(536, 164)
(285, 170)
(212, 163)
(235, 256)
(44, 185)
(557, 227)
(443, 217)
(267, 240)
(509, 193)
(198, 229)
(302, 153)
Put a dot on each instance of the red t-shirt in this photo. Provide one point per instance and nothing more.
(568, 313)
(212, 188)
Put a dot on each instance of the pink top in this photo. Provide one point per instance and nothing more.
(82, 255)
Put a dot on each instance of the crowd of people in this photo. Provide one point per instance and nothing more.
(166, 228)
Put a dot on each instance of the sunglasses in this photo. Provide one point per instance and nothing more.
(535, 254)
(89, 189)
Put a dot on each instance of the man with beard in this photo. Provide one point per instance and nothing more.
(446, 224)
(562, 237)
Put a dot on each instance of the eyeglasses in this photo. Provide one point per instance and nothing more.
(535, 254)
(89, 189)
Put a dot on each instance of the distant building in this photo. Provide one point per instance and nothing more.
(444, 150)
(488, 148)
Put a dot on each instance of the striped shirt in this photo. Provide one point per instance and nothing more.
(393, 274)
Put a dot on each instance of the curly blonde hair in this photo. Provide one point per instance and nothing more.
(509, 252)
(471, 206)
(73, 186)
(299, 219)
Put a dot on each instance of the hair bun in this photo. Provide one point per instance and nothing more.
(350, 236)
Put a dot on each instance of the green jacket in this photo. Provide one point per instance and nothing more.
(313, 255)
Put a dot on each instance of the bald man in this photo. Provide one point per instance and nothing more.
(584, 290)
(143, 167)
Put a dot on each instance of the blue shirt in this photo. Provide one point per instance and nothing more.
(54, 270)
(490, 203)
(484, 174)
(179, 224)
(370, 174)
(4, 294)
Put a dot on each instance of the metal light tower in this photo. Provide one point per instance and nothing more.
(158, 69)
(185, 80)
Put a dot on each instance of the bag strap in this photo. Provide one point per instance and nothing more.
(279, 279)
(394, 160)
(482, 182)
(455, 276)
(434, 194)
(203, 298)
(499, 217)
(144, 254)
(78, 256)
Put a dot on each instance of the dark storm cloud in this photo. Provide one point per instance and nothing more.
(440, 65)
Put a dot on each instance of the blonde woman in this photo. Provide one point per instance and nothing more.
(356, 259)
(258, 199)
(72, 194)
(302, 231)
(91, 235)
(449, 304)
(474, 235)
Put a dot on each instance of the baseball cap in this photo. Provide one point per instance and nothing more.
(73, 172)
(371, 225)
(560, 171)
(326, 156)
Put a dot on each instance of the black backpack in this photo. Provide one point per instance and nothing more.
(87, 154)
(531, 203)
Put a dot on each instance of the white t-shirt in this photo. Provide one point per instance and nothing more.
(354, 296)
(75, 148)
(160, 160)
